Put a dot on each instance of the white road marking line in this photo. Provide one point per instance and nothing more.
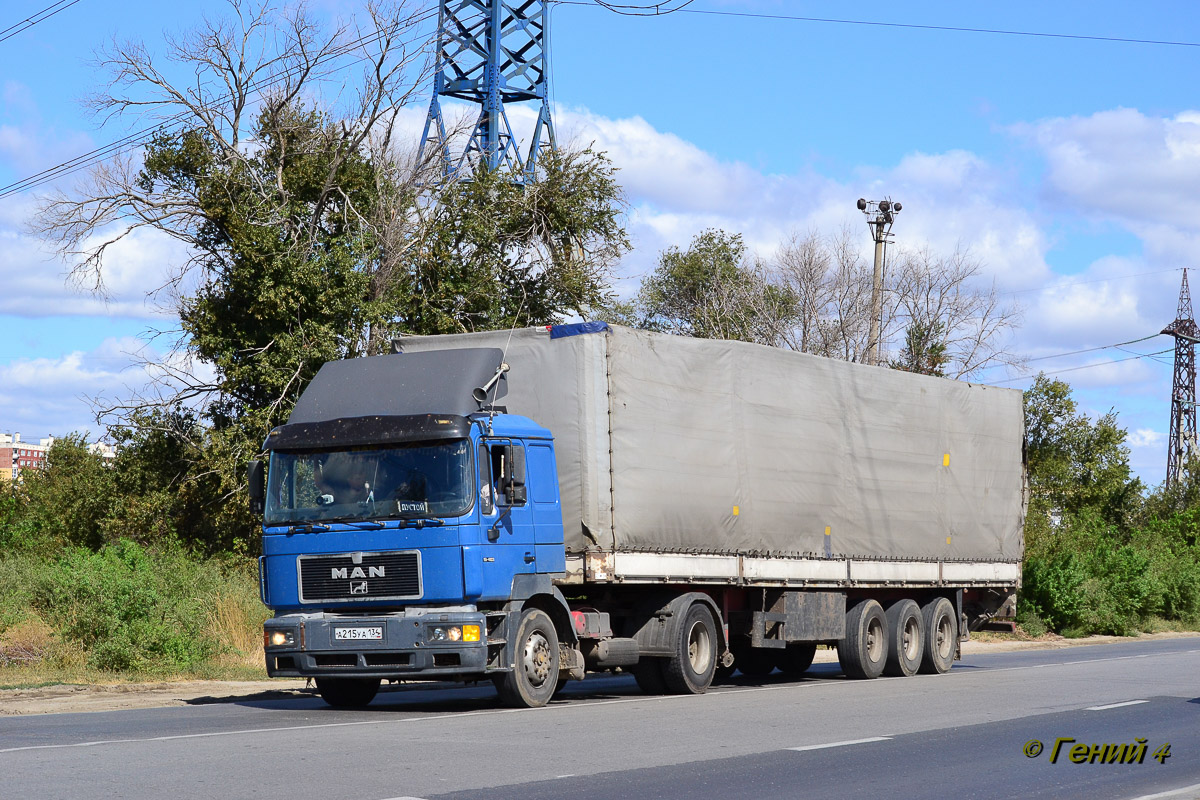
(1116, 705)
(1187, 791)
(406, 797)
(840, 744)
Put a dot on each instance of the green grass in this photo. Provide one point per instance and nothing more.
(128, 613)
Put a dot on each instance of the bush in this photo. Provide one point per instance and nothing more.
(129, 608)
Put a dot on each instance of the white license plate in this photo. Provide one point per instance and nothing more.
(354, 634)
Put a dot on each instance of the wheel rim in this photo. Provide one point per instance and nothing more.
(536, 659)
(944, 635)
(874, 640)
(912, 639)
(699, 648)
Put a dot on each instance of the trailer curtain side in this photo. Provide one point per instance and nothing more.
(671, 444)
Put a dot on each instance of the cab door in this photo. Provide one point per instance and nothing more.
(509, 544)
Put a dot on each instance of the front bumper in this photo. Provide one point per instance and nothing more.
(404, 651)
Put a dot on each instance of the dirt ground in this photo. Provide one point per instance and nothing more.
(61, 699)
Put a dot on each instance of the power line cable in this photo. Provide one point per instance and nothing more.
(139, 137)
(644, 10)
(908, 25)
(1090, 366)
(1094, 349)
(33, 19)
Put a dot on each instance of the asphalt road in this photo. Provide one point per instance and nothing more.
(962, 735)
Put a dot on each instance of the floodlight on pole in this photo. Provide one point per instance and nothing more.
(880, 216)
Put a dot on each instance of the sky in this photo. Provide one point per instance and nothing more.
(1067, 166)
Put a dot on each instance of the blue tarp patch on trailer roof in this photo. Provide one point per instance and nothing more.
(577, 328)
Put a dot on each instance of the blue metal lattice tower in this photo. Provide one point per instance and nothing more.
(491, 52)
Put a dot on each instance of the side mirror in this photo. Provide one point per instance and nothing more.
(256, 485)
(518, 495)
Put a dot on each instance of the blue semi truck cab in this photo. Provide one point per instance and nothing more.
(412, 546)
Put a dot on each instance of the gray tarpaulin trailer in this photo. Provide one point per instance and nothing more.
(531, 505)
(724, 462)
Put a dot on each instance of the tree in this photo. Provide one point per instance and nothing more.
(832, 284)
(496, 254)
(711, 291)
(273, 197)
(310, 233)
(942, 300)
(951, 323)
(924, 350)
(1073, 462)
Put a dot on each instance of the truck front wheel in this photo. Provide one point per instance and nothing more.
(348, 692)
(534, 675)
(690, 670)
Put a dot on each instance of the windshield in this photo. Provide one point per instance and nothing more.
(402, 481)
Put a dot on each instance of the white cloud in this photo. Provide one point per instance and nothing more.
(44, 396)
(36, 283)
(1145, 437)
(1136, 168)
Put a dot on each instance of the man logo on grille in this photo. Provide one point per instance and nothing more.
(357, 572)
(358, 587)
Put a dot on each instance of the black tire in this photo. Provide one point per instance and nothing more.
(863, 651)
(796, 658)
(534, 676)
(906, 639)
(941, 636)
(348, 692)
(754, 662)
(690, 670)
(648, 672)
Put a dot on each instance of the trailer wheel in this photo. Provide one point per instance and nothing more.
(797, 657)
(863, 651)
(941, 636)
(690, 669)
(348, 692)
(534, 676)
(906, 638)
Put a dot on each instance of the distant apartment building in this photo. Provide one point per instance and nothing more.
(17, 456)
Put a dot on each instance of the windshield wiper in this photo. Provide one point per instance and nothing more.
(311, 527)
(362, 525)
(421, 522)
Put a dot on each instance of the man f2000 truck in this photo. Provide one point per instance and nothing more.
(526, 506)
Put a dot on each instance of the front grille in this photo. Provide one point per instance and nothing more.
(376, 576)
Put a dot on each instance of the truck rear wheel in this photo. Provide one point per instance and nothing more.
(690, 670)
(348, 692)
(797, 657)
(753, 662)
(941, 636)
(648, 672)
(863, 651)
(906, 638)
(534, 675)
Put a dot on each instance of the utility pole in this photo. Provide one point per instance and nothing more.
(492, 53)
(1182, 442)
(880, 216)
